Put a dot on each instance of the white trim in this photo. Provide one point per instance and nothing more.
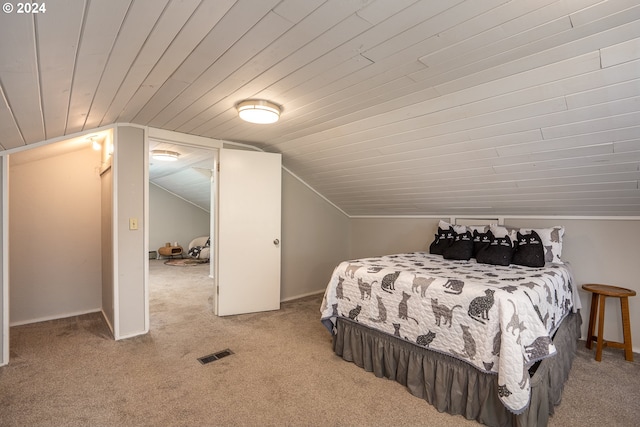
(183, 138)
(503, 217)
(56, 317)
(114, 234)
(308, 294)
(106, 319)
(402, 216)
(135, 334)
(145, 208)
(62, 138)
(240, 144)
(4, 357)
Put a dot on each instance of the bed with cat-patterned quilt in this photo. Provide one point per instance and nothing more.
(499, 320)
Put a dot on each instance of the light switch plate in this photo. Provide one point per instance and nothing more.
(133, 223)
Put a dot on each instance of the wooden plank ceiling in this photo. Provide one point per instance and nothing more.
(396, 107)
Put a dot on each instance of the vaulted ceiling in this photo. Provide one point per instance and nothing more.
(389, 107)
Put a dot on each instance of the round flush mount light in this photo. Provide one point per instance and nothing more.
(258, 111)
(165, 155)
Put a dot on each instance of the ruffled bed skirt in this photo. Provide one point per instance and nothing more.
(453, 386)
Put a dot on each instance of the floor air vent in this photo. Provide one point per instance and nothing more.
(215, 356)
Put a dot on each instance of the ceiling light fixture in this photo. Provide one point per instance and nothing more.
(165, 155)
(95, 143)
(258, 111)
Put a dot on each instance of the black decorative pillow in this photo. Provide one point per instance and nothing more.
(443, 239)
(498, 252)
(529, 250)
(480, 240)
(461, 248)
(194, 252)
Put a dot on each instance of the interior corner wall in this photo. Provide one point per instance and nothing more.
(315, 238)
(130, 155)
(54, 236)
(172, 219)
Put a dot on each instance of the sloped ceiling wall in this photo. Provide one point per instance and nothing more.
(389, 107)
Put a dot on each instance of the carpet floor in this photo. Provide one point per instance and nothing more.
(70, 372)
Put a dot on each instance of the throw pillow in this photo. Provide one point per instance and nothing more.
(194, 252)
(551, 240)
(461, 248)
(480, 240)
(529, 250)
(443, 239)
(498, 252)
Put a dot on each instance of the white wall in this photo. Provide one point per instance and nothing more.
(315, 238)
(172, 219)
(599, 251)
(54, 237)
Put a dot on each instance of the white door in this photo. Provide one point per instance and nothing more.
(248, 252)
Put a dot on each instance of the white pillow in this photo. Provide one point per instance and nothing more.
(499, 231)
(460, 229)
(479, 228)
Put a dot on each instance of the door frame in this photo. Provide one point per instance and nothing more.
(213, 145)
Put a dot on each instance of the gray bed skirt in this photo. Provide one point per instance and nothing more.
(453, 386)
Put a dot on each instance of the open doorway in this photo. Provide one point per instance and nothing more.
(181, 214)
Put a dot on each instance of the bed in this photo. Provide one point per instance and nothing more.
(493, 343)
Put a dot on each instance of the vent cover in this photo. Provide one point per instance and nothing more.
(215, 356)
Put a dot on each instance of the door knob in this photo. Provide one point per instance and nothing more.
(276, 242)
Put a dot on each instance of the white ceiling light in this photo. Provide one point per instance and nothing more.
(258, 111)
(95, 143)
(165, 155)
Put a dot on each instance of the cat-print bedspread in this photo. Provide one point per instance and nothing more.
(498, 319)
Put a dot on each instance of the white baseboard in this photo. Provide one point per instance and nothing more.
(55, 317)
(135, 334)
(303, 295)
(106, 319)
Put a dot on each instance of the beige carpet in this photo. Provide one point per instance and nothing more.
(70, 372)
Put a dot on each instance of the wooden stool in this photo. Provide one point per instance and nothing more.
(600, 293)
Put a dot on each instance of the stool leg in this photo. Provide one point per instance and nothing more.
(626, 327)
(600, 341)
(592, 319)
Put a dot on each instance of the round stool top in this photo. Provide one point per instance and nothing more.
(608, 290)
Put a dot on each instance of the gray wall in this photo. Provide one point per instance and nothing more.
(599, 251)
(315, 238)
(54, 236)
(129, 177)
(172, 219)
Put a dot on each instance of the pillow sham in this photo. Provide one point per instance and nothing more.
(528, 250)
(457, 228)
(498, 231)
(443, 239)
(461, 248)
(498, 252)
(551, 240)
